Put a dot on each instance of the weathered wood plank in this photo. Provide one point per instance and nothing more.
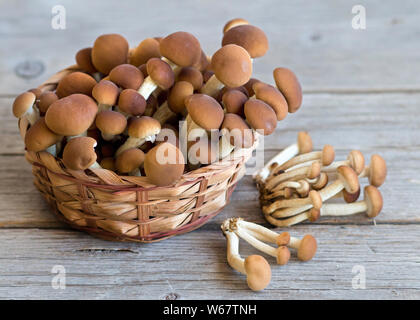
(315, 39)
(102, 270)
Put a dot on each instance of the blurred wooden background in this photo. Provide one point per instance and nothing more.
(361, 91)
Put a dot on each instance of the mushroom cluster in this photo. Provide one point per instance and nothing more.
(256, 267)
(298, 184)
(144, 111)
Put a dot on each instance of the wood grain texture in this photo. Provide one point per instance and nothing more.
(316, 40)
(97, 269)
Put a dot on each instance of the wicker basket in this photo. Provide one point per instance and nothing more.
(126, 208)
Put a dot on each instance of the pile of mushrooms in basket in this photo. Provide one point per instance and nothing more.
(165, 108)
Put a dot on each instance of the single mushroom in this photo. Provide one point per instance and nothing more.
(319, 182)
(234, 101)
(164, 164)
(84, 60)
(110, 123)
(71, 116)
(39, 138)
(260, 116)
(249, 86)
(160, 74)
(126, 76)
(255, 267)
(147, 49)
(45, 100)
(234, 23)
(23, 107)
(109, 51)
(249, 37)
(140, 130)
(79, 154)
(355, 160)
(289, 86)
(310, 172)
(175, 103)
(326, 157)
(204, 113)
(346, 179)
(129, 162)
(191, 75)
(232, 67)
(376, 171)
(106, 94)
(235, 133)
(303, 145)
(273, 97)
(75, 82)
(131, 103)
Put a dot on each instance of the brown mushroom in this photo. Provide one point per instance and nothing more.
(232, 67)
(110, 123)
(181, 48)
(160, 74)
(23, 107)
(147, 49)
(75, 82)
(376, 171)
(164, 164)
(109, 51)
(131, 103)
(234, 101)
(191, 75)
(260, 116)
(273, 97)
(45, 100)
(84, 60)
(129, 162)
(250, 37)
(39, 138)
(126, 76)
(106, 94)
(234, 23)
(140, 130)
(289, 86)
(79, 154)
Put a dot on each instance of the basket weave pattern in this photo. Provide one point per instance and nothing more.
(128, 208)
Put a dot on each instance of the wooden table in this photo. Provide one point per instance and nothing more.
(361, 91)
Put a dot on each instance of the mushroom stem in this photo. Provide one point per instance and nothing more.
(103, 107)
(194, 131)
(83, 134)
(134, 143)
(147, 87)
(267, 235)
(32, 115)
(212, 87)
(163, 113)
(233, 257)
(225, 148)
(314, 199)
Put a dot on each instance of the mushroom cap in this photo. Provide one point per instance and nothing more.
(147, 49)
(349, 178)
(131, 102)
(307, 248)
(328, 155)
(72, 115)
(283, 239)
(377, 170)
(143, 127)
(105, 92)
(258, 272)
(161, 73)
(314, 214)
(249, 37)
(39, 137)
(84, 60)
(316, 199)
(260, 116)
(249, 86)
(182, 48)
(36, 91)
(241, 135)
(111, 122)
(288, 84)
(75, 82)
(351, 197)
(23, 103)
(126, 76)
(314, 170)
(45, 100)
(373, 200)
(79, 153)
(283, 255)
(203, 151)
(129, 160)
(321, 182)
(273, 97)
(179, 92)
(205, 111)
(232, 65)
(357, 161)
(234, 23)
(164, 164)
(192, 75)
(304, 142)
(108, 163)
(109, 51)
(234, 101)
